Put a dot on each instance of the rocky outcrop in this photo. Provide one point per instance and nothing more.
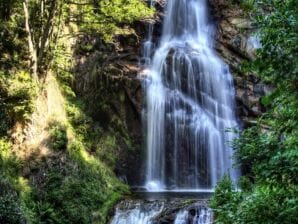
(108, 78)
(236, 43)
(163, 211)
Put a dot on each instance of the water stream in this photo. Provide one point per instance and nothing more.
(190, 104)
(189, 108)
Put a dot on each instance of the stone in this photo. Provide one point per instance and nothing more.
(240, 23)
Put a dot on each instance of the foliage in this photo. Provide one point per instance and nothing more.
(108, 17)
(225, 192)
(71, 184)
(58, 136)
(12, 35)
(247, 5)
(278, 31)
(261, 204)
(75, 186)
(79, 191)
(9, 165)
(10, 208)
(78, 187)
(269, 151)
(106, 149)
(272, 154)
(18, 93)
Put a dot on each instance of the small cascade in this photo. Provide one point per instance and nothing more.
(148, 45)
(137, 212)
(162, 211)
(199, 215)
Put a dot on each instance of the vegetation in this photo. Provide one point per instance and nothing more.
(17, 94)
(68, 177)
(72, 182)
(268, 152)
(58, 136)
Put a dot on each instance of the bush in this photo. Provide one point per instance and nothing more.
(262, 204)
(18, 92)
(10, 207)
(269, 151)
(58, 136)
(224, 201)
(9, 164)
(107, 150)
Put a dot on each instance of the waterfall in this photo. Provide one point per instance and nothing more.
(189, 104)
(189, 108)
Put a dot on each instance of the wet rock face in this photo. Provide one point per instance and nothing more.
(235, 42)
(108, 78)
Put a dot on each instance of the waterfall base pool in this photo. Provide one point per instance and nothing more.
(172, 194)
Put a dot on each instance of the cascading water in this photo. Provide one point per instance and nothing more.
(163, 211)
(190, 104)
(201, 215)
(189, 107)
(136, 213)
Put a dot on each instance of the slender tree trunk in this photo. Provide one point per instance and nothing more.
(32, 50)
(47, 31)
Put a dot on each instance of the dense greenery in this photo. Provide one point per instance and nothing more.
(72, 182)
(268, 152)
(17, 93)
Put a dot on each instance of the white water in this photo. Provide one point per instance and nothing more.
(201, 216)
(137, 213)
(142, 212)
(189, 104)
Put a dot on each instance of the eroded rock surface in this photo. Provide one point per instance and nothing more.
(236, 42)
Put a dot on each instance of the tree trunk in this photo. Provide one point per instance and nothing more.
(32, 50)
(47, 31)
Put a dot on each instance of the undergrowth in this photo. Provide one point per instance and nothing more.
(70, 185)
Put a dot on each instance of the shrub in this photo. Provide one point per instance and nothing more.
(10, 208)
(107, 150)
(58, 136)
(268, 151)
(18, 92)
(224, 201)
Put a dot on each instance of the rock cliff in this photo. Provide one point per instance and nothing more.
(108, 78)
